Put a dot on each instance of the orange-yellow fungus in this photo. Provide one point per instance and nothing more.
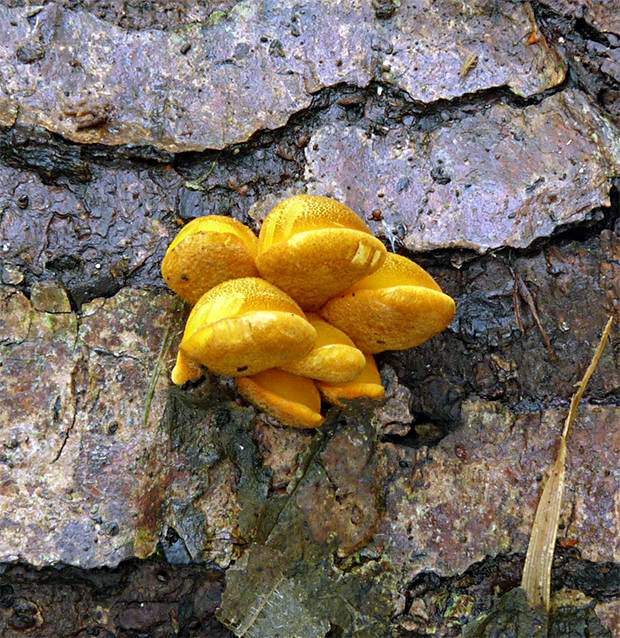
(366, 384)
(396, 271)
(292, 399)
(206, 252)
(398, 307)
(334, 358)
(244, 326)
(313, 254)
(315, 247)
(185, 369)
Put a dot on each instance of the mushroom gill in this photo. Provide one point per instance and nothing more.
(292, 399)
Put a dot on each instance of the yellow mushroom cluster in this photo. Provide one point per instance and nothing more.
(298, 311)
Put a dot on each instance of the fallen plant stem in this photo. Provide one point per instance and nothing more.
(196, 185)
(536, 579)
(526, 295)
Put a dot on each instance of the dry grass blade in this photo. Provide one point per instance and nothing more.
(536, 579)
(574, 404)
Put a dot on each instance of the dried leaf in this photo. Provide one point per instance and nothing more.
(470, 63)
(258, 599)
(537, 570)
(574, 404)
(533, 39)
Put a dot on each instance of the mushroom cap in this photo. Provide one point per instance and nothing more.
(315, 247)
(208, 251)
(396, 270)
(398, 307)
(292, 399)
(366, 384)
(244, 326)
(334, 358)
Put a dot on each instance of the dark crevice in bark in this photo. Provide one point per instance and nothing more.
(50, 155)
(584, 63)
(423, 431)
(487, 580)
(587, 31)
(142, 597)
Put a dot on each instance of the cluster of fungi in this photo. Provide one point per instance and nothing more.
(299, 311)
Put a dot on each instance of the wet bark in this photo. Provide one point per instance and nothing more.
(482, 142)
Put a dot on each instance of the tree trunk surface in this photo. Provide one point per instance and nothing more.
(480, 139)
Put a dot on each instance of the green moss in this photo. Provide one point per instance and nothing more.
(145, 543)
(216, 17)
(178, 34)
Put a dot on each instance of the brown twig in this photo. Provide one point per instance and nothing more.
(526, 295)
(517, 304)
